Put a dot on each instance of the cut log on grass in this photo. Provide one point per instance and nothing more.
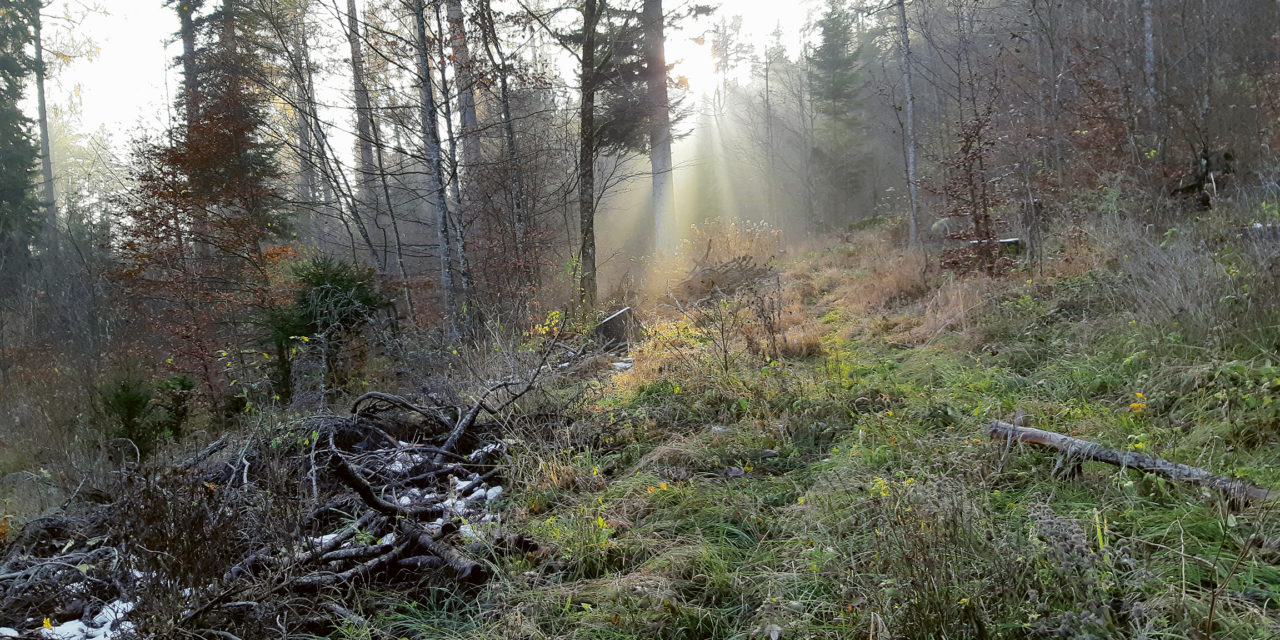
(1085, 450)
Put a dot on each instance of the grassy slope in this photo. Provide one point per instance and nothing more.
(886, 511)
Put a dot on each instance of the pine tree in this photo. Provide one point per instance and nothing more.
(837, 85)
(19, 208)
(195, 237)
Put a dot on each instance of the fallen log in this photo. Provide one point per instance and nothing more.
(1085, 450)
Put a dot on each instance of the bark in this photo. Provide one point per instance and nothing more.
(437, 197)
(465, 84)
(913, 237)
(306, 146)
(1085, 450)
(46, 156)
(587, 154)
(462, 279)
(1149, 62)
(663, 202)
(366, 188)
(190, 85)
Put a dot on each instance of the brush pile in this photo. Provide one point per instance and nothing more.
(261, 535)
(719, 279)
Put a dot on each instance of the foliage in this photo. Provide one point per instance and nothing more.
(19, 221)
(145, 413)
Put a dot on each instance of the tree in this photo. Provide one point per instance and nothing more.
(663, 197)
(835, 70)
(588, 84)
(194, 237)
(909, 140)
(19, 208)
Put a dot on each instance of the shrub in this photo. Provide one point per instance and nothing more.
(145, 413)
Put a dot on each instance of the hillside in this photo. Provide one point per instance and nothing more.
(808, 456)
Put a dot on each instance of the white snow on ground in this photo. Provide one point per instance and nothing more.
(8, 632)
(108, 624)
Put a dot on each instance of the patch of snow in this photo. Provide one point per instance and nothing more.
(107, 625)
(9, 632)
(484, 451)
(324, 539)
(493, 493)
(402, 462)
(390, 538)
(622, 366)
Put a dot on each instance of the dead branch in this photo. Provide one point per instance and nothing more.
(1085, 450)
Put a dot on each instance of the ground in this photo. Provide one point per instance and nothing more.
(850, 489)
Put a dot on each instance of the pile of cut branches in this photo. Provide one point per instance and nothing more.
(719, 279)
(262, 535)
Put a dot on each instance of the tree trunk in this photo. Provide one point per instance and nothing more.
(366, 188)
(462, 279)
(1149, 64)
(46, 156)
(306, 144)
(663, 203)
(587, 155)
(465, 84)
(437, 197)
(190, 85)
(913, 235)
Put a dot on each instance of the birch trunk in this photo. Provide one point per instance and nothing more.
(436, 195)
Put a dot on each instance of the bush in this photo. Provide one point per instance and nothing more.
(145, 413)
(332, 301)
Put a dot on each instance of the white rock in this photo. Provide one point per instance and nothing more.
(493, 493)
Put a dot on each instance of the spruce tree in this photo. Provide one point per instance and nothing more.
(19, 208)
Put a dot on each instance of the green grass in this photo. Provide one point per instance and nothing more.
(886, 511)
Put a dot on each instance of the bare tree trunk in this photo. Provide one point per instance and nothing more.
(663, 202)
(306, 145)
(587, 154)
(457, 221)
(366, 188)
(437, 197)
(190, 86)
(1149, 63)
(465, 84)
(46, 156)
(768, 129)
(913, 235)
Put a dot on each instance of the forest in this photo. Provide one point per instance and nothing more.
(611, 319)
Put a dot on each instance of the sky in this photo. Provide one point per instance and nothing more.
(127, 84)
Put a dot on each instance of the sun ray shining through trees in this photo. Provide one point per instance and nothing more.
(408, 319)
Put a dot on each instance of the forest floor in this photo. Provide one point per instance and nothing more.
(810, 458)
(850, 489)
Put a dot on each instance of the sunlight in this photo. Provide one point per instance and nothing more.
(693, 66)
